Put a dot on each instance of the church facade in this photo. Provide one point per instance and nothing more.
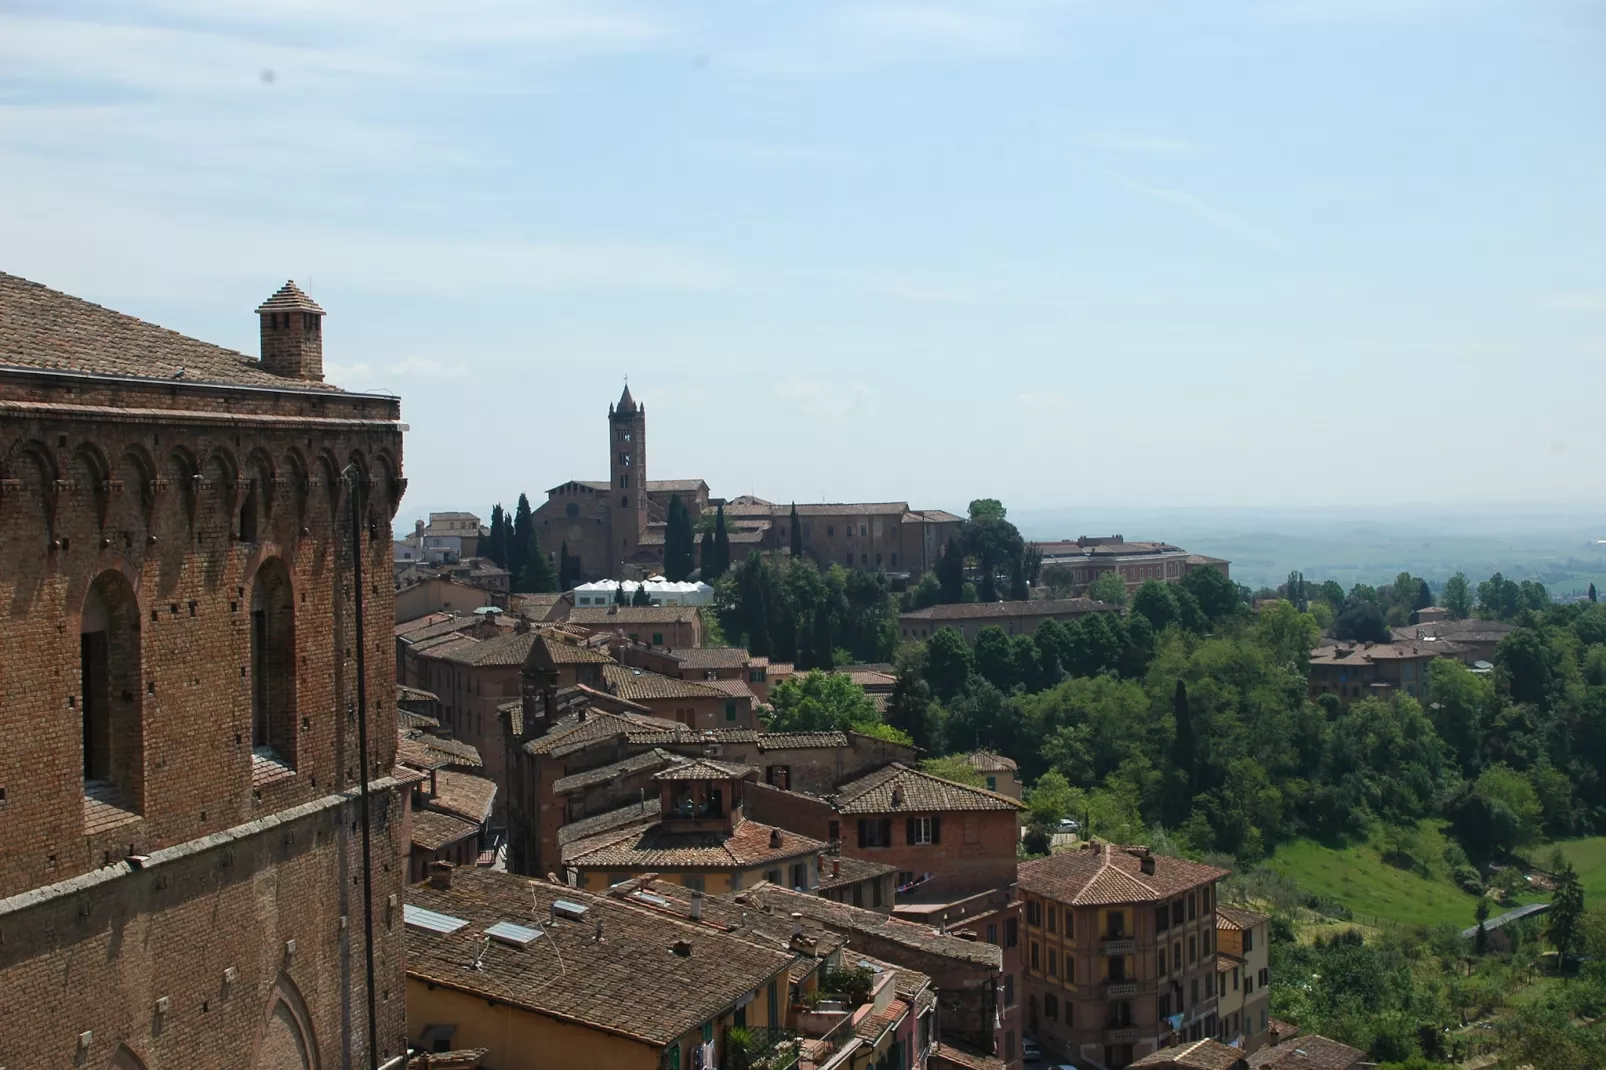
(615, 529)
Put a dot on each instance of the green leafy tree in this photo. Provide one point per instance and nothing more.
(1032, 564)
(1294, 589)
(820, 702)
(1528, 665)
(537, 577)
(911, 710)
(996, 546)
(824, 652)
(1060, 580)
(1184, 747)
(1501, 813)
(518, 547)
(1332, 593)
(795, 528)
(1456, 598)
(1361, 620)
(927, 593)
(987, 509)
(949, 663)
(1108, 587)
(951, 573)
(1424, 595)
(1287, 634)
(995, 657)
(1048, 801)
(1218, 596)
(1481, 940)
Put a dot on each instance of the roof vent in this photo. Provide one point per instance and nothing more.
(681, 948)
(505, 932)
(775, 837)
(897, 795)
(1146, 864)
(562, 908)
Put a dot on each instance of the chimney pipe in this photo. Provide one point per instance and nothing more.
(797, 924)
(440, 875)
(696, 905)
(836, 867)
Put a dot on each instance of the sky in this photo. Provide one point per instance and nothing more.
(1190, 253)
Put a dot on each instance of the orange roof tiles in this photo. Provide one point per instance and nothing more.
(1111, 875)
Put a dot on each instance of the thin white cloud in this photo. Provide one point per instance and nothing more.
(1204, 211)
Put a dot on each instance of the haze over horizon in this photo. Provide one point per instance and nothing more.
(1262, 254)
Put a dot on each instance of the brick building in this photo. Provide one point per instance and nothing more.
(1352, 671)
(1120, 951)
(1469, 640)
(675, 627)
(692, 703)
(182, 857)
(615, 529)
(1084, 560)
(1015, 618)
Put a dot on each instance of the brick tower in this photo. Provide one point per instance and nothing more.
(627, 464)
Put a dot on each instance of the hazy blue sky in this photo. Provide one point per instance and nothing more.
(1270, 252)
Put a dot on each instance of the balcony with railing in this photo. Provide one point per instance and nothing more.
(1122, 1034)
(1118, 945)
(1123, 989)
(760, 1048)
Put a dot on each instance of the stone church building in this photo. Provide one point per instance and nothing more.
(615, 529)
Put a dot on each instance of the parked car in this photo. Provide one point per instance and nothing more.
(1030, 1051)
(1068, 825)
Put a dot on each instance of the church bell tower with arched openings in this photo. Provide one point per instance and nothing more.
(627, 463)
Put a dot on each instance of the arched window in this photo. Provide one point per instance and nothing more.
(109, 702)
(273, 672)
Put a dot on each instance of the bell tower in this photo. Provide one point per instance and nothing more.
(627, 464)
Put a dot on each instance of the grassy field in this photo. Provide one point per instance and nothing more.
(1588, 857)
(1377, 892)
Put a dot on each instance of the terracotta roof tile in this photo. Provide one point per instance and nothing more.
(454, 751)
(434, 829)
(850, 919)
(648, 760)
(964, 1058)
(608, 616)
(845, 870)
(47, 329)
(1112, 874)
(463, 794)
(985, 761)
(630, 983)
(737, 689)
(624, 817)
(289, 298)
(714, 657)
(705, 769)
(658, 847)
(1046, 607)
(639, 685)
(1233, 918)
(916, 792)
(1204, 1054)
(1309, 1052)
(505, 651)
(766, 930)
(800, 740)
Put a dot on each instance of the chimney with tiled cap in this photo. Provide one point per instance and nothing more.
(292, 335)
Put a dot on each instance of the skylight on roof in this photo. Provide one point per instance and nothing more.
(429, 920)
(505, 932)
(565, 909)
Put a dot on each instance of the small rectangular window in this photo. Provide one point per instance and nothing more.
(730, 711)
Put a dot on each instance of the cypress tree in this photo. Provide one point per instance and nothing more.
(758, 634)
(824, 654)
(1182, 754)
(1592, 592)
(641, 597)
(565, 568)
(705, 556)
(496, 545)
(537, 577)
(722, 545)
(619, 598)
(951, 573)
(797, 535)
(678, 541)
(518, 546)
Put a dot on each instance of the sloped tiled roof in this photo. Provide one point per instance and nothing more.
(1046, 607)
(630, 983)
(463, 794)
(851, 919)
(918, 792)
(644, 813)
(964, 1058)
(767, 930)
(1234, 918)
(47, 329)
(454, 751)
(985, 761)
(505, 651)
(640, 685)
(1465, 631)
(646, 761)
(289, 298)
(434, 829)
(1204, 1054)
(800, 740)
(554, 650)
(658, 848)
(1309, 1052)
(607, 616)
(671, 486)
(714, 657)
(737, 689)
(845, 870)
(705, 769)
(1112, 874)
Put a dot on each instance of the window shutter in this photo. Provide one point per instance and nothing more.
(936, 828)
(909, 831)
(864, 833)
(886, 832)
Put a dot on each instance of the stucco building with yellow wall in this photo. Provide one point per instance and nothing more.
(537, 974)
